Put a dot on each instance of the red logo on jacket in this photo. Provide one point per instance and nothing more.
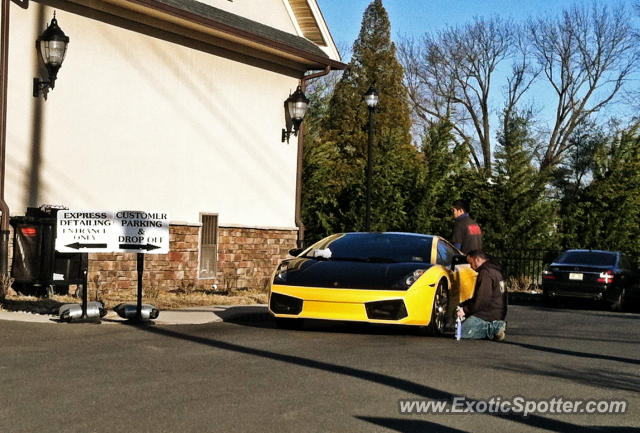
(474, 229)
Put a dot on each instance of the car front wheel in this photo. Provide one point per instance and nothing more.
(439, 310)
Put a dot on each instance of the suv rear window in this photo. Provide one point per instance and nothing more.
(595, 258)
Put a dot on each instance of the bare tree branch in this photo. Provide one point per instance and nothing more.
(451, 73)
(587, 56)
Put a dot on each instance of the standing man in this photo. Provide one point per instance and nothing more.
(467, 234)
(486, 311)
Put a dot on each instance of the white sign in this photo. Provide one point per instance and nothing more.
(142, 232)
(125, 231)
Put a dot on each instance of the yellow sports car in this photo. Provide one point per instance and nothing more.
(391, 278)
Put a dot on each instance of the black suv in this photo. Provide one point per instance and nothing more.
(608, 276)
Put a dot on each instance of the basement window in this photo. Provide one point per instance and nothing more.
(208, 246)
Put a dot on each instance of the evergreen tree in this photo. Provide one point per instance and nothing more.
(439, 180)
(609, 207)
(573, 176)
(320, 184)
(397, 164)
(519, 215)
(334, 184)
(373, 62)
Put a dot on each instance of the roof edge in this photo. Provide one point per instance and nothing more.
(165, 6)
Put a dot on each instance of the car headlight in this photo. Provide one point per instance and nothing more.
(281, 273)
(408, 280)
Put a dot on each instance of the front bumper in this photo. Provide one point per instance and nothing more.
(597, 292)
(412, 307)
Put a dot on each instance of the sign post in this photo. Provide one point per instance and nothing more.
(124, 231)
(140, 269)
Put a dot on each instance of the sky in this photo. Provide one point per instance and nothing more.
(415, 17)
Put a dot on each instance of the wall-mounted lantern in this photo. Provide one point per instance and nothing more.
(295, 107)
(51, 47)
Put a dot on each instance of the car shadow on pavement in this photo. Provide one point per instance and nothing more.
(604, 378)
(537, 300)
(404, 385)
(573, 352)
(259, 317)
(625, 315)
(573, 337)
(409, 425)
(244, 314)
(524, 298)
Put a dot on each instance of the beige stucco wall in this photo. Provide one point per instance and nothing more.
(136, 122)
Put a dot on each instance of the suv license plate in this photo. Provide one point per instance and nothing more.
(575, 277)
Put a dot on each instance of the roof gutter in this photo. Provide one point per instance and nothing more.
(298, 216)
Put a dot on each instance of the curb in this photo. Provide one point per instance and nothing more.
(186, 316)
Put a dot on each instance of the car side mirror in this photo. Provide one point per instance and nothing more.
(459, 259)
(295, 251)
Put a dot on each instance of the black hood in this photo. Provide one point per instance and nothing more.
(342, 274)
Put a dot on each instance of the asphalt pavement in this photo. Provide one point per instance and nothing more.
(244, 374)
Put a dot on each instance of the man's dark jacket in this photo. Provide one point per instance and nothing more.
(489, 301)
(467, 235)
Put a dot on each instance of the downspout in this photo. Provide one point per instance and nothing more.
(4, 69)
(298, 217)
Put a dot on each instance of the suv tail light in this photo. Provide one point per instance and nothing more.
(606, 277)
(548, 275)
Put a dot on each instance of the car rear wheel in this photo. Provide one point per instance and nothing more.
(548, 300)
(618, 302)
(439, 310)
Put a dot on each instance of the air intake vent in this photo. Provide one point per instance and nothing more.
(386, 310)
(283, 304)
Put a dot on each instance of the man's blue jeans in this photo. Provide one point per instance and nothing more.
(476, 328)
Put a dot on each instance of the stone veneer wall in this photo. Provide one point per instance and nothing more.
(246, 259)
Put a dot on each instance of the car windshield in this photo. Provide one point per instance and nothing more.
(373, 247)
(595, 258)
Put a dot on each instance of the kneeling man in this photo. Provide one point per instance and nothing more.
(486, 311)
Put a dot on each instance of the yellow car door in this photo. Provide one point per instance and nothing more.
(463, 278)
(466, 280)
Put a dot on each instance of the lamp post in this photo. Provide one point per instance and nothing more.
(371, 98)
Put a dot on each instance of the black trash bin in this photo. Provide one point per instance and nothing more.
(37, 268)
